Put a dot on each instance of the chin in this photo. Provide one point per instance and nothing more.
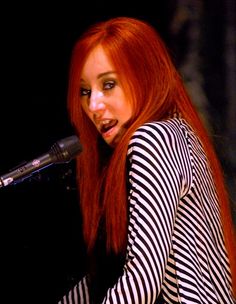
(115, 139)
(114, 142)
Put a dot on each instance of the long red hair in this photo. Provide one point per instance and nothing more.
(155, 90)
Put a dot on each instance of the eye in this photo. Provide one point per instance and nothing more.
(108, 85)
(85, 92)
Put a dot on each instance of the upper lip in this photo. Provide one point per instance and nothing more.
(101, 122)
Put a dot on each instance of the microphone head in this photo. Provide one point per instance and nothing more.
(65, 149)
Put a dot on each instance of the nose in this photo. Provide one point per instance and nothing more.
(96, 103)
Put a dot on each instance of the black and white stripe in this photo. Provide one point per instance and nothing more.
(175, 241)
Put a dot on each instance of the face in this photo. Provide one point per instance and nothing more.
(103, 98)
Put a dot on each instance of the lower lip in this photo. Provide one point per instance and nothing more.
(108, 133)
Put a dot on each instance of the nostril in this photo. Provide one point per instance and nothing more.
(96, 116)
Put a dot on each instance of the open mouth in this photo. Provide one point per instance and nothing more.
(107, 125)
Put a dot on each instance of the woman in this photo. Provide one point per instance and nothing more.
(156, 217)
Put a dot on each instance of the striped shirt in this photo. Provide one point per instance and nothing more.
(175, 239)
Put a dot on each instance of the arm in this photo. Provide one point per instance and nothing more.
(78, 295)
(156, 185)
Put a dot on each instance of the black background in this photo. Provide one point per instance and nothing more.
(41, 245)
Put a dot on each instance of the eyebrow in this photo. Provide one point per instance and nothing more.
(105, 74)
(101, 75)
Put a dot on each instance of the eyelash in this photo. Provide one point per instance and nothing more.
(108, 85)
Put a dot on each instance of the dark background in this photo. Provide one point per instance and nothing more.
(42, 254)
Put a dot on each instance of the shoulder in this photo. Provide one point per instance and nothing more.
(163, 147)
(171, 132)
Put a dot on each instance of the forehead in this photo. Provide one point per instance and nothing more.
(96, 63)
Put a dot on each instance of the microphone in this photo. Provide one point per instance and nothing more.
(62, 151)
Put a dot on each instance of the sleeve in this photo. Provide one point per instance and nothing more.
(78, 295)
(158, 169)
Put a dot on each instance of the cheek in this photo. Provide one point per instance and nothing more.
(85, 109)
(89, 115)
(127, 113)
(126, 108)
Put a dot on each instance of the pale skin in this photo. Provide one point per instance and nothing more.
(102, 97)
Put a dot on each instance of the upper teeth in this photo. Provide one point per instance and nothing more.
(105, 121)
